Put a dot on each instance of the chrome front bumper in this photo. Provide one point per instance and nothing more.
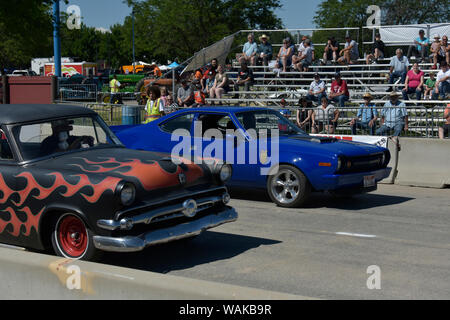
(184, 230)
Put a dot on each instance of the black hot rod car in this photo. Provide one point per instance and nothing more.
(67, 183)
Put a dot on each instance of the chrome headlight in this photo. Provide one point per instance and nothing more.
(225, 173)
(127, 193)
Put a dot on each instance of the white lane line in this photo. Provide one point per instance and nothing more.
(356, 235)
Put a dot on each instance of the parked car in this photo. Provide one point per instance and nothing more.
(305, 164)
(68, 183)
(20, 73)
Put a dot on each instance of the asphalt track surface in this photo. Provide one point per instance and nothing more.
(322, 250)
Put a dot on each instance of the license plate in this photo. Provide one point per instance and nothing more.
(369, 181)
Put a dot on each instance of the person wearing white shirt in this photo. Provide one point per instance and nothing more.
(442, 86)
(316, 89)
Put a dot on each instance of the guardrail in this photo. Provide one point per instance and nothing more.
(28, 275)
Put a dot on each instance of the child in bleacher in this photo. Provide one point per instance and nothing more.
(429, 86)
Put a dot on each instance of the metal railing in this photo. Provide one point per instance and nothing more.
(422, 121)
(77, 92)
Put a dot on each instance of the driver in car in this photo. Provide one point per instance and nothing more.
(61, 140)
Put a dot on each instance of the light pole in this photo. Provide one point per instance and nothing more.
(134, 60)
(56, 39)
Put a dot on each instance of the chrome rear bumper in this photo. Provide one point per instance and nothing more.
(184, 230)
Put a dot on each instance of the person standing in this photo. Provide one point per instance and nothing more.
(155, 106)
(304, 114)
(366, 117)
(114, 84)
(394, 116)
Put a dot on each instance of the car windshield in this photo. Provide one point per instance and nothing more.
(54, 137)
(268, 120)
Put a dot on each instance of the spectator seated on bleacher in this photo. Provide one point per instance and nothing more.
(284, 58)
(444, 130)
(350, 53)
(429, 86)
(199, 96)
(420, 47)
(265, 51)
(185, 95)
(302, 62)
(316, 89)
(249, 52)
(325, 117)
(435, 49)
(398, 67)
(221, 84)
(377, 50)
(367, 116)
(301, 51)
(445, 48)
(304, 114)
(209, 72)
(339, 91)
(414, 82)
(394, 117)
(245, 78)
(170, 105)
(331, 51)
(442, 86)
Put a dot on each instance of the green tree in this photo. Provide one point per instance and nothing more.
(168, 29)
(25, 31)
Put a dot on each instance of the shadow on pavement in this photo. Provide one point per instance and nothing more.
(210, 246)
(326, 200)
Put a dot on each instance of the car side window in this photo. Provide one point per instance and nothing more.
(180, 122)
(5, 149)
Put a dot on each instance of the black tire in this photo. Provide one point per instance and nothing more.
(60, 246)
(289, 187)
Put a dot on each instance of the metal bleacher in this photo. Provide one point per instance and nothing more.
(271, 86)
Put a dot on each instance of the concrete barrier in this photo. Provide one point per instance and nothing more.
(27, 275)
(424, 163)
(393, 146)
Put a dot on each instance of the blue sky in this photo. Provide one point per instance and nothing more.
(104, 13)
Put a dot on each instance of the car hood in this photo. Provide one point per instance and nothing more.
(148, 171)
(328, 146)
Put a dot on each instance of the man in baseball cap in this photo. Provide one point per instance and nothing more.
(366, 118)
(394, 117)
(339, 91)
(316, 89)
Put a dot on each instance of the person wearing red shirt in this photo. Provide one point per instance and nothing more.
(414, 82)
(339, 91)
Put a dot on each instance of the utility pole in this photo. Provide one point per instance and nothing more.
(134, 59)
(56, 39)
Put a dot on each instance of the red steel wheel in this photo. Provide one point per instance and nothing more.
(72, 236)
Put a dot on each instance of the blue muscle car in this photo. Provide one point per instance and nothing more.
(266, 151)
